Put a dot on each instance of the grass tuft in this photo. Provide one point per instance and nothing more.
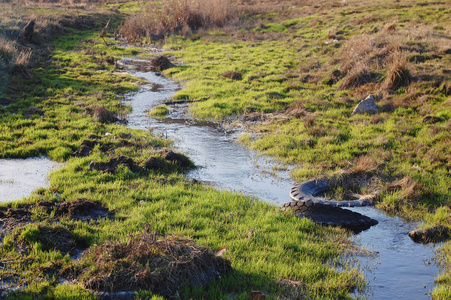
(398, 73)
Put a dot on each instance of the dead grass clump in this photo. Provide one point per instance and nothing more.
(309, 121)
(103, 115)
(8, 50)
(410, 190)
(175, 16)
(365, 163)
(359, 75)
(297, 110)
(398, 73)
(232, 75)
(377, 119)
(163, 266)
(348, 185)
(22, 62)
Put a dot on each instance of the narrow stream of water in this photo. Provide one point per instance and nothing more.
(399, 268)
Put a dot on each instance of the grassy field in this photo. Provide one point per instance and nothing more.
(291, 74)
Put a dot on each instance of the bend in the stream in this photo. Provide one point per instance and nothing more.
(397, 271)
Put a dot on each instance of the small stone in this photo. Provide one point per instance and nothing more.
(366, 106)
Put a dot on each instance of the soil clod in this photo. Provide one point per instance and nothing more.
(160, 63)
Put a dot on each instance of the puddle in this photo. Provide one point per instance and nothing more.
(20, 177)
(400, 270)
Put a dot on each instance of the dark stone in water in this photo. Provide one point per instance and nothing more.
(330, 215)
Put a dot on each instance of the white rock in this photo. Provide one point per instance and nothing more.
(366, 106)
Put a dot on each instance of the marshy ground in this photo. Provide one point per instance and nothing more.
(289, 73)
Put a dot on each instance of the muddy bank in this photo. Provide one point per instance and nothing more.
(20, 177)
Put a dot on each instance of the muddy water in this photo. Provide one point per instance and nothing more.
(20, 177)
(398, 268)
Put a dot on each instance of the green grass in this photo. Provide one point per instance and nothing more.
(159, 111)
(299, 82)
(295, 71)
(51, 114)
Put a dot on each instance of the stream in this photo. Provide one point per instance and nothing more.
(397, 269)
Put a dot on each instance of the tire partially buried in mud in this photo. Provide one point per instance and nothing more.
(307, 204)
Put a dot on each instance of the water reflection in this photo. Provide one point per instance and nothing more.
(20, 177)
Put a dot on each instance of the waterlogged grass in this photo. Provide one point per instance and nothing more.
(159, 111)
(54, 112)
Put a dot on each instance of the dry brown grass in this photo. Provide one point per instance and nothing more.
(163, 265)
(410, 190)
(22, 62)
(398, 71)
(309, 121)
(365, 163)
(359, 74)
(297, 110)
(102, 115)
(177, 16)
(8, 50)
